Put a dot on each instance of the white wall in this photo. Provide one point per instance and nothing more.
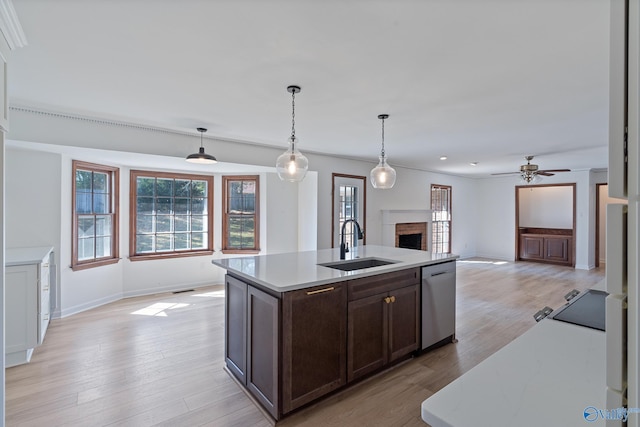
(34, 209)
(546, 207)
(282, 215)
(496, 218)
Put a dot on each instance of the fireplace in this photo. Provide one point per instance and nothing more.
(410, 241)
(412, 235)
(402, 222)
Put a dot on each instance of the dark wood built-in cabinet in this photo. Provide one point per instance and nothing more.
(550, 245)
(292, 348)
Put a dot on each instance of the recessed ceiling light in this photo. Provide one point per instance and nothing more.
(474, 163)
(443, 157)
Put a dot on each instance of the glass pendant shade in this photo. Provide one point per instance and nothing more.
(292, 165)
(383, 176)
(201, 157)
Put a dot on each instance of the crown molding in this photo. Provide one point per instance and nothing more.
(10, 26)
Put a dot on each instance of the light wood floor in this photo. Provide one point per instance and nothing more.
(158, 360)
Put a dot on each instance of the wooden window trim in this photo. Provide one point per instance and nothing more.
(114, 174)
(334, 220)
(133, 175)
(225, 219)
(448, 187)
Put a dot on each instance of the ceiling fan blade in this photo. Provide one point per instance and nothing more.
(554, 170)
(506, 173)
(544, 173)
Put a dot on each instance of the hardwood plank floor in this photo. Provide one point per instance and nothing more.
(158, 360)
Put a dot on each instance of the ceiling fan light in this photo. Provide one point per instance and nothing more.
(530, 178)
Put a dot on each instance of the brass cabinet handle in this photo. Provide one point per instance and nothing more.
(393, 299)
(387, 300)
(319, 291)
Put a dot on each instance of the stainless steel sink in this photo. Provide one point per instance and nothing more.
(357, 264)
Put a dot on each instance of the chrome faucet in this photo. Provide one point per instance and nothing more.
(343, 249)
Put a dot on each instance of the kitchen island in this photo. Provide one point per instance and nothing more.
(302, 325)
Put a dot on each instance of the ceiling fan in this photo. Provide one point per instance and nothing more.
(530, 173)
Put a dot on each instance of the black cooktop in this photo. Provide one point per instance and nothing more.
(587, 310)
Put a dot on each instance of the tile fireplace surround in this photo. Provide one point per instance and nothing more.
(410, 221)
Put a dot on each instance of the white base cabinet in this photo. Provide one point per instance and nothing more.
(27, 302)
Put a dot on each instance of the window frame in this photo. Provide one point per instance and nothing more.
(226, 249)
(449, 189)
(114, 202)
(134, 174)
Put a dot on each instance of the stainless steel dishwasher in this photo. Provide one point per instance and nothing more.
(438, 303)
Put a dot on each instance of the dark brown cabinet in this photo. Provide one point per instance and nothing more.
(263, 316)
(314, 343)
(252, 340)
(289, 349)
(546, 245)
(236, 327)
(384, 321)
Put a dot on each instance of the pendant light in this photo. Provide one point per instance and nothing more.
(292, 165)
(383, 176)
(201, 157)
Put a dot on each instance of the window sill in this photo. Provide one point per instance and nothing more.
(92, 264)
(147, 257)
(241, 251)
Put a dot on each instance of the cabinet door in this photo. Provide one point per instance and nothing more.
(314, 329)
(21, 308)
(367, 335)
(531, 247)
(263, 340)
(556, 249)
(404, 322)
(236, 327)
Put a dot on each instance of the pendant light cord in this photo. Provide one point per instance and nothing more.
(382, 151)
(293, 114)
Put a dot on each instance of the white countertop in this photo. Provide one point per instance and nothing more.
(299, 270)
(546, 377)
(24, 256)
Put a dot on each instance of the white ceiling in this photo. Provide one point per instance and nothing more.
(479, 81)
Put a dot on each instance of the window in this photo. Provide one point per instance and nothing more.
(349, 202)
(441, 218)
(240, 214)
(95, 215)
(170, 215)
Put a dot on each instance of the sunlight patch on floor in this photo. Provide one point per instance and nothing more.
(212, 294)
(159, 309)
(475, 261)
